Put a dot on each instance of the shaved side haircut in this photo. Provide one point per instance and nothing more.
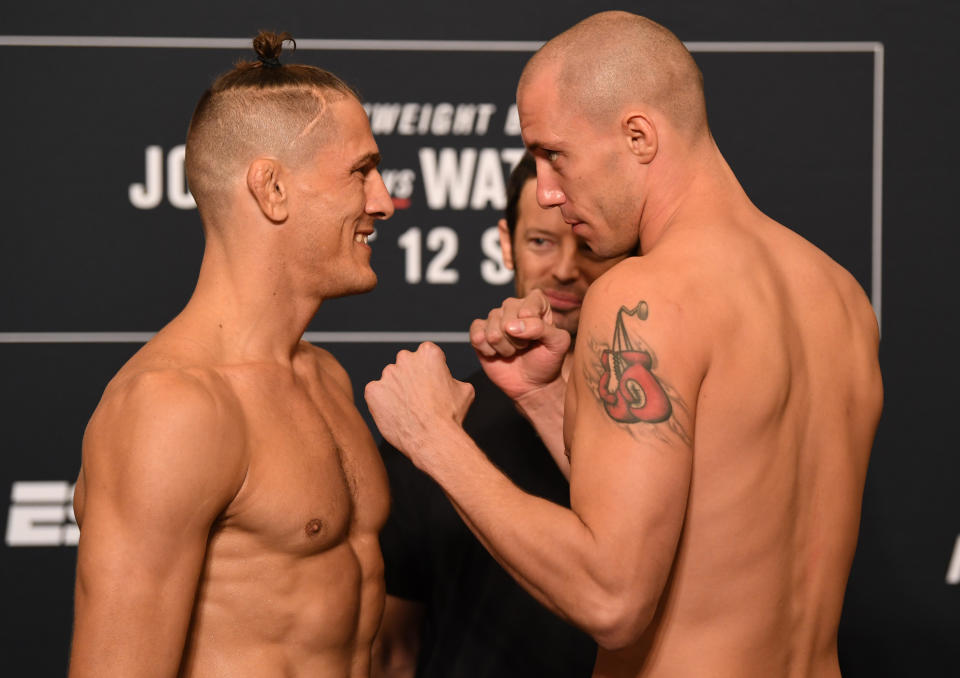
(260, 107)
(615, 59)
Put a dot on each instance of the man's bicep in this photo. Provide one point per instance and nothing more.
(631, 451)
(155, 479)
(636, 360)
(159, 462)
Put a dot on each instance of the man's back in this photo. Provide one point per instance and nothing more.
(291, 576)
(784, 422)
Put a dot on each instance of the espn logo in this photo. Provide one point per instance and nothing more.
(41, 514)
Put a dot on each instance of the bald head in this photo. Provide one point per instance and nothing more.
(260, 108)
(613, 60)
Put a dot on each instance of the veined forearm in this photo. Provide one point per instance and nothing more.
(545, 547)
(544, 410)
(532, 588)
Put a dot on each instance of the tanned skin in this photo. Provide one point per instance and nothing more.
(230, 495)
(717, 473)
(545, 255)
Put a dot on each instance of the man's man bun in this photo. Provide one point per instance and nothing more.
(268, 45)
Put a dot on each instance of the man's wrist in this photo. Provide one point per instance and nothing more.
(435, 448)
(548, 397)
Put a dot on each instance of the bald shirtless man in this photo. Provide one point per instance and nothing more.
(230, 495)
(723, 401)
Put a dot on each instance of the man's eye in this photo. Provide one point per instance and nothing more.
(539, 243)
(552, 156)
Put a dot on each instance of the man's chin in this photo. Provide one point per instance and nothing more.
(367, 285)
(360, 286)
(609, 246)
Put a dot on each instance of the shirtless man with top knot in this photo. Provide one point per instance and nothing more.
(230, 494)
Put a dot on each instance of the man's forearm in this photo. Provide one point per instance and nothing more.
(545, 547)
(543, 408)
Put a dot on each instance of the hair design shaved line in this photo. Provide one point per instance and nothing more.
(321, 109)
(258, 110)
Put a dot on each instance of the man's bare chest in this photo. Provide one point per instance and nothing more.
(314, 477)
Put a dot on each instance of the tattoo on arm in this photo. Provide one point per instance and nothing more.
(623, 380)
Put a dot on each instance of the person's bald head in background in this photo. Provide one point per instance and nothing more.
(612, 109)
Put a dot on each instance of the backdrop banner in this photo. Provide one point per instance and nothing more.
(101, 245)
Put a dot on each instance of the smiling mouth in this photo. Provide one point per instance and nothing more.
(361, 238)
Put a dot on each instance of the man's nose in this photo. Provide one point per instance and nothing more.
(549, 193)
(379, 203)
(567, 268)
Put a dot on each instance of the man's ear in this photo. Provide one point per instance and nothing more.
(641, 136)
(506, 243)
(268, 189)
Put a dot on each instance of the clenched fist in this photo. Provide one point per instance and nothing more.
(416, 397)
(519, 347)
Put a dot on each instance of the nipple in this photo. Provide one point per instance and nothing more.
(313, 527)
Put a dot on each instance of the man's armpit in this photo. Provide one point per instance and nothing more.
(622, 375)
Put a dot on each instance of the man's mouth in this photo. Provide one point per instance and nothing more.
(361, 238)
(569, 219)
(563, 301)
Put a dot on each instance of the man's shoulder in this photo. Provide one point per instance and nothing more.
(160, 439)
(642, 288)
(150, 413)
(156, 387)
(662, 272)
(325, 362)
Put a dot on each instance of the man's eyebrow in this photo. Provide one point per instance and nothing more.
(370, 159)
(538, 148)
(541, 233)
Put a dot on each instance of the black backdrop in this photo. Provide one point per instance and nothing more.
(840, 125)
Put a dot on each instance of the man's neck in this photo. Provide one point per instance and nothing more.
(246, 310)
(700, 183)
